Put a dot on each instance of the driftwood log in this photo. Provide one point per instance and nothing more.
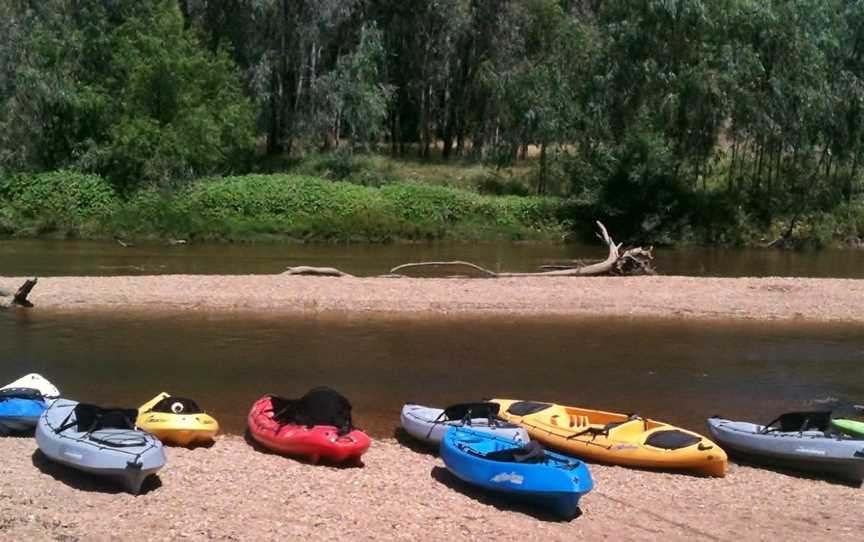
(19, 298)
(633, 261)
(315, 271)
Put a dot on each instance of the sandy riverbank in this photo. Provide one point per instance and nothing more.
(686, 297)
(232, 492)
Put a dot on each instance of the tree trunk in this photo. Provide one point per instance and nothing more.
(541, 177)
(274, 126)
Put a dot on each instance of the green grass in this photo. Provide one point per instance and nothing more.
(381, 169)
(268, 207)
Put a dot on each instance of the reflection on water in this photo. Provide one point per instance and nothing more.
(52, 258)
(675, 371)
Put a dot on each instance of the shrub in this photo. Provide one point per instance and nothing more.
(61, 199)
(267, 206)
(492, 183)
(310, 207)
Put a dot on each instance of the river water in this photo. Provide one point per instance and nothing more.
(52, 258)
(672, 370)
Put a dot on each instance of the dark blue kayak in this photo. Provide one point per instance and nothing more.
(524, 472)
(20, 409)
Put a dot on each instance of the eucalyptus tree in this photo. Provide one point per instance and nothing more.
(352, 100)
(535, 79)
(122, 89)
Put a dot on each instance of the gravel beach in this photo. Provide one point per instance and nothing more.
(234, 492)
(839, 300)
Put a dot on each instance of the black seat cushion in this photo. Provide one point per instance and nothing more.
(472, 410)
(91, 418)
(320, 406)
(177, 405)
(672, 439)
(525, 408)
(792, 422)
(532, 452)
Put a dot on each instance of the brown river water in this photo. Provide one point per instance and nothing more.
(672, 370)
(53, 258)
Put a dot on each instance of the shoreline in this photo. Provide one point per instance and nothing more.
(231, 491)
(684, 298)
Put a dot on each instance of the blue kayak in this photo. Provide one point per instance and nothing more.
(525, 472)
(20, 409)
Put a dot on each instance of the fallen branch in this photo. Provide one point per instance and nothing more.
(786, 240)
(457, 263)
(316, 271)
(634, 261)
(20, 297)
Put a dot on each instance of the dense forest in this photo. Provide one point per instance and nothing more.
(720, 121)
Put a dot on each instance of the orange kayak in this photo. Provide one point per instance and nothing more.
(618, 439)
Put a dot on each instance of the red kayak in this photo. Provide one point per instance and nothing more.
(312, 443)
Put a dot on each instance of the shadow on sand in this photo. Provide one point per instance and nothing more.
(406, 440)
(86, 482)
(803, 475)
(196, 446)
(498, 500)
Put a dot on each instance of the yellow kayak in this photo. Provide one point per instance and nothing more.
(178, 421)
(616, 439)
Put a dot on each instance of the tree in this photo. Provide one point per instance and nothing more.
(353, 99)
(123, 90)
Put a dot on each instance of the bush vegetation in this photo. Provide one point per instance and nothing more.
(274, 206)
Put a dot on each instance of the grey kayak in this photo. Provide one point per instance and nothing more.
(429, 424)
(82, 438)
(811, 447)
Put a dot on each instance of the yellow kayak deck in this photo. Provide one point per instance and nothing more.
(176, 428)
(619, 439)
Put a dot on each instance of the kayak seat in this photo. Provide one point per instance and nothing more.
(532, 452)
(320, 406)
(91, 418)
(797, 422)
(471, 410)
(177, 405)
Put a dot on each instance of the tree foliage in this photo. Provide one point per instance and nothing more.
(663, 116)
(121, 89)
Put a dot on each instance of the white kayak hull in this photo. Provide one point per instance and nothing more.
(36, 382)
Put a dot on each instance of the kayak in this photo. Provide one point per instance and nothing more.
(429, 424)
(291, 435)
(23, 401)
(848, 419)
(853, 428)
(175, 420)
(797, 441)
(20, 409)
(36, 382)
(512, 468)
(99, 441)
(617, 439)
